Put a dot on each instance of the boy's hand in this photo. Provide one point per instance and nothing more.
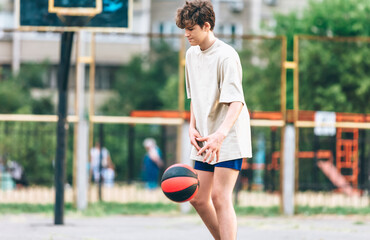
(212, 146)
(194, 134)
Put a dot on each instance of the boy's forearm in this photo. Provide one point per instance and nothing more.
(231, 116)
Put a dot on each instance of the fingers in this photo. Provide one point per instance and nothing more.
(194, 135)
(202, 150)
(202, 139)
(197, 135)
(212, 157)
(201, 142)
(210, 154)
(195, 144)
(211, 148)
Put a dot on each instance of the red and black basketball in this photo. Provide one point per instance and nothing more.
(180, 182)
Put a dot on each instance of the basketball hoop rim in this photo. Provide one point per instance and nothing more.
(78, 11)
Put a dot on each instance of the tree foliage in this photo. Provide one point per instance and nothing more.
(334, 75)
(261, 63)
(30, 144)
(15, 90)
(139, 84)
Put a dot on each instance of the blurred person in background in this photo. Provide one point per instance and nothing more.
(107, 170)
(17, 173)
(152, 163)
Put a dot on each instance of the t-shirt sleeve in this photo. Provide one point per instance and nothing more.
(187, 82)
(231, 89)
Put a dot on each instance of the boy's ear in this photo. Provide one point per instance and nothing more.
(207, 26)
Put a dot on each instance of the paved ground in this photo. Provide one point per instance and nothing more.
(179, 227)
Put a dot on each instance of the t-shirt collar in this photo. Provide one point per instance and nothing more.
(210, 48)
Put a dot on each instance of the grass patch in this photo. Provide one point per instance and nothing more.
(94, 209)
(359, 223)
(259, 211)
(112, 208)
(306, 210)
(19, 208)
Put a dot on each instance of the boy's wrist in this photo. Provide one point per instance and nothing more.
(223, 133)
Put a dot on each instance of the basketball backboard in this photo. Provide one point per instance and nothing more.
(74, 15)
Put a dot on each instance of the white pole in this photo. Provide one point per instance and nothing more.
(82, 127)
(216, 9)
(256, 16)
(146, 24)
(16, 47)
(185, 158)
(288, 170)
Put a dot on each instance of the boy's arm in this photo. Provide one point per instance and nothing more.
(193, 132)
(214, 141)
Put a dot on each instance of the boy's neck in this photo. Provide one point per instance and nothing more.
(208, 41)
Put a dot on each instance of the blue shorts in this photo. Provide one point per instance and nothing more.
(233, 164)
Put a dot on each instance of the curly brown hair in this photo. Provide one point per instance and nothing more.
(195, 12)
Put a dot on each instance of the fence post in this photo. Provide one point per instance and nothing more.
(185, 157)
(81, 131)
(101, 140)
(288, 171)
(131, 151)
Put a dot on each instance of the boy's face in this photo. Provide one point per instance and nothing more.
(196, 35)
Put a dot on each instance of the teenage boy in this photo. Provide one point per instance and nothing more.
(219, 124)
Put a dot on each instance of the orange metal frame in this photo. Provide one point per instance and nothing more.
(162, 114)
(347, 155)
(347, 149)
(320, 154)
(186, 114)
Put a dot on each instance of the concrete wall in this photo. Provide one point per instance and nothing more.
(5, 52)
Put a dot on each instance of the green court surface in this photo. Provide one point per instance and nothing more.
(178, 227)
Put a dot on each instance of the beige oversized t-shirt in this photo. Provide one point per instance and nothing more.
(214, 79)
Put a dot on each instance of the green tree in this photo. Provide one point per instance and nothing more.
(33, 75)
(139, 83)
(15, 90)
(30, 144)
(261, 62)
(334, 76)
(13, 98)
(169, 94)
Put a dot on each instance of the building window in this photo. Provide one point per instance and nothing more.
(231, 29)
(165, 28)
(161, 28)
(104, 78)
